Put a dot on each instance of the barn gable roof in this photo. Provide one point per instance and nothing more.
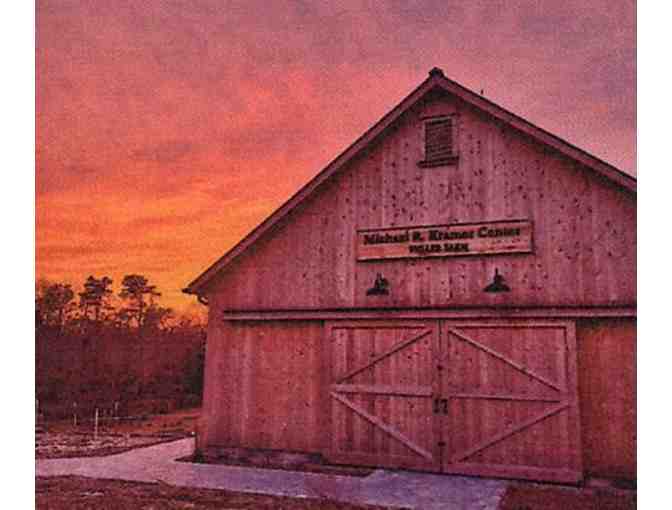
(435, 80)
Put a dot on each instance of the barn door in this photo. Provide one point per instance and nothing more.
(510, 400)
(381, 394)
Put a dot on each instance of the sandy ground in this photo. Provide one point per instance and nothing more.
(60, 440)
(77, 493)
(61, 445)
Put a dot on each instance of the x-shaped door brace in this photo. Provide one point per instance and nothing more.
(505, 359)
(397, 347)
(383, 426)
(379, 389)
(561, 403)
(426, 391)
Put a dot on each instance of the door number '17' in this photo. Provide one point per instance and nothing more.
(440, 405)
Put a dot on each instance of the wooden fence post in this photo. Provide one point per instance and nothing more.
(95, 425)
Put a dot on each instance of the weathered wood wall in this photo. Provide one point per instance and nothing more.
(267, 382)
(584, 228)
(607, 387)
(381, 395)
(264, 386)
(268, 387)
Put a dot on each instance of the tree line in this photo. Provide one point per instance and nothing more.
(134, 307)
(97, 345)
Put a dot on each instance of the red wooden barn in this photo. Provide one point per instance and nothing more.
(456, 293)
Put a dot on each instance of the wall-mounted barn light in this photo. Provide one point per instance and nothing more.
(497, 284)
(380, 286)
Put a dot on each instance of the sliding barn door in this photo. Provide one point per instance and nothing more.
(487, 398)
(509, 395)
(381, 394)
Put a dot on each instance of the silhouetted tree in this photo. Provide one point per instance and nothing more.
(53, 304)
(108, 364)
(139, 296)
(94, 302)
(40, 288)
(158, 317)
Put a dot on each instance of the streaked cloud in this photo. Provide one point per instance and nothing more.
(168, 129)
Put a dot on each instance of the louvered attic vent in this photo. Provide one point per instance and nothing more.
(439, 147)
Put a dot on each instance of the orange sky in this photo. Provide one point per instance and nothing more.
(166, 130)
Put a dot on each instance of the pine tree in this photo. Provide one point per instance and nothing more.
(139, 296)
(95, 300)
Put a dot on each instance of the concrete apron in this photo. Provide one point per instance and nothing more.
(401, 489)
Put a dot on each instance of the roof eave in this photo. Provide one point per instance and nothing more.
(362, 142)
(436, 79)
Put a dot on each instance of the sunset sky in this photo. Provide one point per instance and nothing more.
(166, 130)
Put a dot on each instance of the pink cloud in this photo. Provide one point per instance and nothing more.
(184, 123)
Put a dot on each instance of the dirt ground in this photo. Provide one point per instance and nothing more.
(528, 496)
(179, 422)
(77, 493)
(63, 439)
(63, 446)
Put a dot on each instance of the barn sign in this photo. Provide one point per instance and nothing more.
(488, 238)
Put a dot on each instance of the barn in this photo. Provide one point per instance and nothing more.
(454, 293)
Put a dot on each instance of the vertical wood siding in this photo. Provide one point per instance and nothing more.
(584, 228)
(607, 386)
(512, 391)
(263, 386)
(268, 384)
(381, 390)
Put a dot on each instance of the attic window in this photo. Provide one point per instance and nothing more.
(439, 138)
